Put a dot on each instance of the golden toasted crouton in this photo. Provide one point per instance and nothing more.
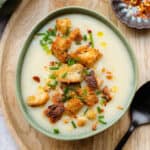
(88, 96)
(63, 25)
(54, 112)
(69, 74)
(38, 100)
(75, 35)
(86, 55)
(56, 98)
(60, 47)
(91, 80)
(73, 106)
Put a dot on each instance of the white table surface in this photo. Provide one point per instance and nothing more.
(6, 140)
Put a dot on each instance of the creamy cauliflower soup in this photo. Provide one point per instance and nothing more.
(77, 75)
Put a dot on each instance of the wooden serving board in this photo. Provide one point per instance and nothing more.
(29, 13)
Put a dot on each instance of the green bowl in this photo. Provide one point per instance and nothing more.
(59, 12)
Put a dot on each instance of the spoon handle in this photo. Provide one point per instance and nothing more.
(125, 138)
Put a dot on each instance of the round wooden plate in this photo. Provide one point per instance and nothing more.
(22, 22)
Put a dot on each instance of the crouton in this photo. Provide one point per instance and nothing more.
(57, 97)
(63, 25)
(60, 47)
(73, 106)
(86, 55)
(75, 35)
(88, 95)
(54, 112)
(38, 100)
(69, 74)
(91, 80)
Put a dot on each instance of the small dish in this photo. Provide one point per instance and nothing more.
(127, 14)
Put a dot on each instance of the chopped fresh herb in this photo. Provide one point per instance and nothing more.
(86, 72)
(64, 75)
(56, 131)
(71, 62)
(99, 109)
(102, 102)
(98, 92)
(66, 94)
(66, 98)
(81, 98)
(46, 39)
(45, 46)
(86, 111)
(52, 76)
(101, 120)
(101, 117)
(85, 92)
(73, 124)
(66, 90)
(52, 32)
(91, 39)
(54, 68)
(85, 37)
(53, 83)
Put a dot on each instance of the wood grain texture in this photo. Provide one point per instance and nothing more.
(25, 18)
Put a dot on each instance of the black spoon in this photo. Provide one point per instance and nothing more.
(139, 112)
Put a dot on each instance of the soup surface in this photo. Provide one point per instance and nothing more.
(77, 75)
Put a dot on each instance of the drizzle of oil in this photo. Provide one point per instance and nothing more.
(100, 34)
(103, 44)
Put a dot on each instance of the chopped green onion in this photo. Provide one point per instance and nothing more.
(54, 68)
(53, 83)
(101, 120)
(66, 98)
(86, 72)
(71, 62)
(52, 32)
(73, 124)
(99, 109)
(66, 90)
(64, 75)
(56, 131)
(85, 37)
(85, 92)
(91, 39)
(101, 117)
(102, 102)
(46, 39)
(45, 46)
(97, 92)
(53, 76)
(86, 111)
